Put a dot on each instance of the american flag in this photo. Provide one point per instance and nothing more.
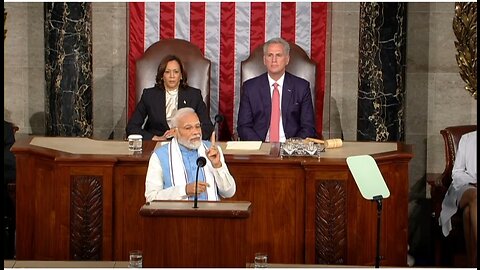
(226, 33)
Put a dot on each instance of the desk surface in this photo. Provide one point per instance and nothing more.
(232, 209)
(124, 264)
(82, 146)
(64, 264)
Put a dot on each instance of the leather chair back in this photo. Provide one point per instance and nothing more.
(451, 138)
(196, 66)
(300, 65)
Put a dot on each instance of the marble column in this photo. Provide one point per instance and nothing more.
(68, 69)
(381, 72)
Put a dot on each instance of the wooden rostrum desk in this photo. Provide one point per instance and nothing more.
(79, 205)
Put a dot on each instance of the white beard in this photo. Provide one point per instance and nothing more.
(190, 144)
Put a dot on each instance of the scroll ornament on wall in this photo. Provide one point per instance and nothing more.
(465, 29)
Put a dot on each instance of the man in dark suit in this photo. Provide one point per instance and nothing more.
(297, 118)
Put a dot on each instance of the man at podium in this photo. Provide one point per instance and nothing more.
(173, 167)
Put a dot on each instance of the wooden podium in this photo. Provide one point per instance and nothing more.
(177, 235)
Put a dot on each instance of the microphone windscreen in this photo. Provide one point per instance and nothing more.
(219, 118)
(201, 161)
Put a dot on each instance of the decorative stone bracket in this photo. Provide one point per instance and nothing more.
(465, 29)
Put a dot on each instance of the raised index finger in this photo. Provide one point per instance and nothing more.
(212, 138)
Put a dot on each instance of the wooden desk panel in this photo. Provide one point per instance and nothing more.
(304, 210)
(211, 236)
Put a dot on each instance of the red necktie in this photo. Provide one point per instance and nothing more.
(275, 119)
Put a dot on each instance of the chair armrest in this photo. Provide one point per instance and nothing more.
(437, 191)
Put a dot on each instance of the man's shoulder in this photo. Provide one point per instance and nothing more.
(162, 148)
(256, 79)
(295, 78)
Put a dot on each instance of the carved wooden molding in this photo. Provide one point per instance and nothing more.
(465, 29)
(330, 222)
(86, 218)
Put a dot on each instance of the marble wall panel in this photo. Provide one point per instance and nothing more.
(23, 62)
(344, 66)
(110, 69)
(417, 100)
(381, 72)
(36, 100)
(344, 40)
(418, 38)
(68, 69)
(442, 40)
(15, 95)
(344, 104)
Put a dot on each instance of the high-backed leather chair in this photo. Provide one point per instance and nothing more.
(195, 64)
(300, 65)
(446, 248)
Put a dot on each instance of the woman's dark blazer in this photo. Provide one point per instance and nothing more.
(152, 104)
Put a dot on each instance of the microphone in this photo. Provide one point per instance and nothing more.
(218, 119)
(201, 161)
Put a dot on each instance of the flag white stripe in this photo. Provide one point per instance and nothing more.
(212, 52)
(182, 20)
(273, 20)
(152, 24)
(242, 50)
(213, 24)
(303, 26)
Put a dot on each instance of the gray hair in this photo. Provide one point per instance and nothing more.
(179, 115)
(286, 46)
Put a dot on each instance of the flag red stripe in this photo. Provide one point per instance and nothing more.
(167, 20)
(227, 75)
(318, 41)
(288, 21)
(227, 60)
(257, 25)
(136, 41)
(197, 25)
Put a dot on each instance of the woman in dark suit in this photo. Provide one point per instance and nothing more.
(159, 103)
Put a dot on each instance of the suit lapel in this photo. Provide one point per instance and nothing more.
(182, 98)
(266, 97)
(287, 93)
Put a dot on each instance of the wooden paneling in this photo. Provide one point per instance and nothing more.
(129, 189)
(304, 210)
(195, 238)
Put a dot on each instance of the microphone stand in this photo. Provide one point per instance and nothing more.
(201, 161)
(218, 119)
(378, 199)
(195, 198)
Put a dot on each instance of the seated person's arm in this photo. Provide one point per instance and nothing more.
(134, 125)
(246, 121)
(307, 117)
(154, 184)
